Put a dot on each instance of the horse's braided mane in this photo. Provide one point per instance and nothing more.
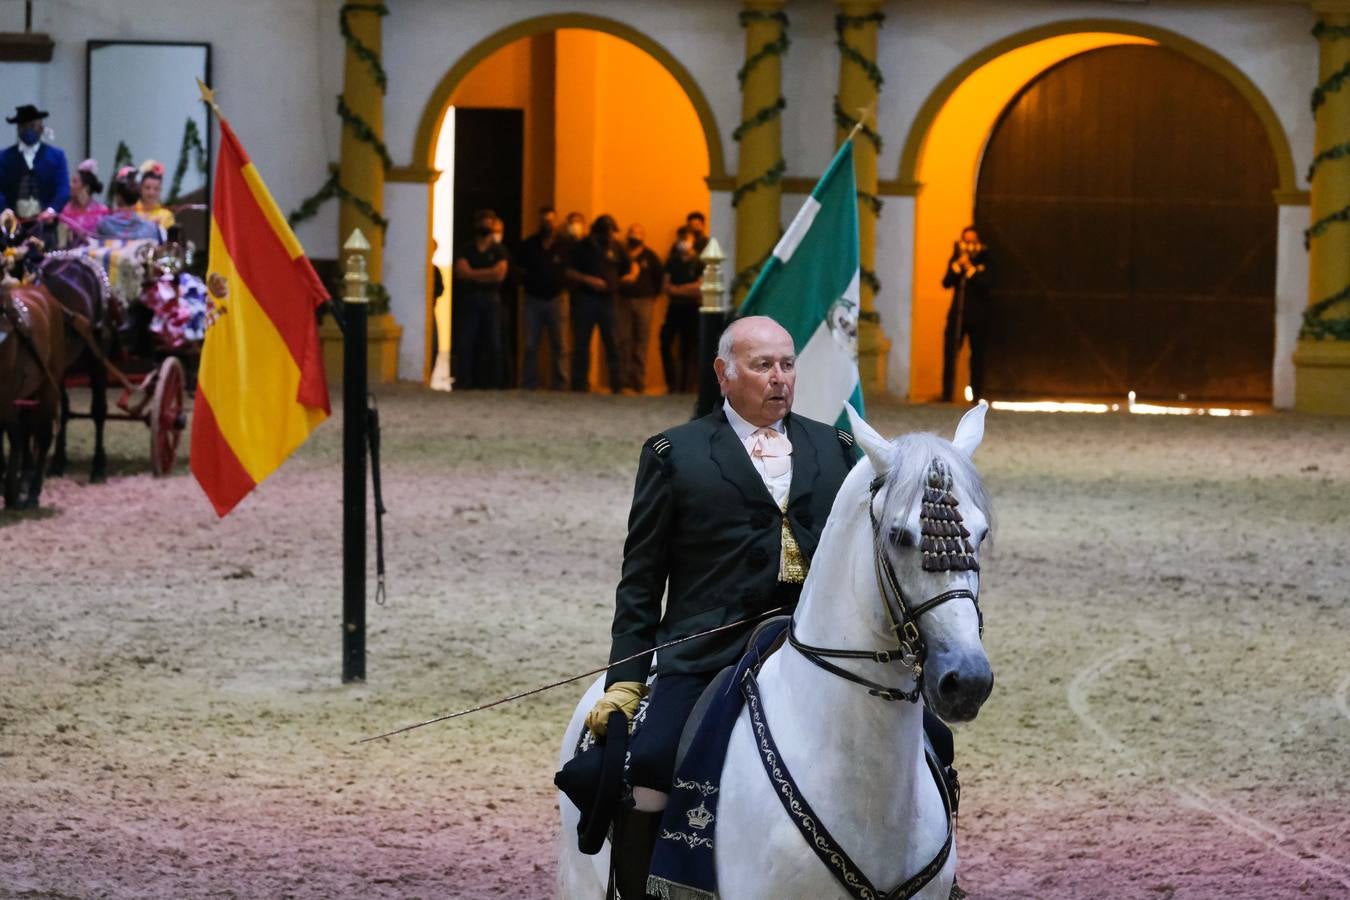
(909, 475)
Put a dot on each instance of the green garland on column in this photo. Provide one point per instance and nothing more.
(364, 133)
(192, 142)
(362, 129)
(364, 53)
(774, 174)
(746, 277)
(846, 121)
(1316, 324)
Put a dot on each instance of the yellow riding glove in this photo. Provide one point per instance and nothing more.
(621, 696)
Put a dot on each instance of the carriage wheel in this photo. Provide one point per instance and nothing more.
(166, 417)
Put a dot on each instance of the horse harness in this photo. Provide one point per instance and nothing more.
(945, 547)
(16, 311)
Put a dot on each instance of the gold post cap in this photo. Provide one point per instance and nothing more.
(712, 252)
(357, 241)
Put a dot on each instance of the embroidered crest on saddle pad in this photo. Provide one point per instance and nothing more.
(943, 536)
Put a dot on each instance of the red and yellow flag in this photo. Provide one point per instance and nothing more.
(261, 388)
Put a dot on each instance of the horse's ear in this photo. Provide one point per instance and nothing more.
(880, 451)
(970, 431)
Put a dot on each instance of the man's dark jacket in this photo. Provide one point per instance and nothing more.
(703, 521)
(50, 176)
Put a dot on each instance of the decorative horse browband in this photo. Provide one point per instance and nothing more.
(943, 536)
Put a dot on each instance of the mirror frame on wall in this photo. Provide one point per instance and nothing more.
(208, 138)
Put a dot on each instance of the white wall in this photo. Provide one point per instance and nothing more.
(266, 68)
(1291, 299)
(405, 271)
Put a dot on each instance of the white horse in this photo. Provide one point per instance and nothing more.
(858, 759)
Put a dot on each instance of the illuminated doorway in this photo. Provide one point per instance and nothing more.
(945, 146)
(611, 124)
(1129, 193)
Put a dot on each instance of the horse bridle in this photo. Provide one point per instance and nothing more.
(911, 651)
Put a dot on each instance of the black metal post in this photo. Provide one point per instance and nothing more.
(711, 323)
(713, 316)
(354, 464)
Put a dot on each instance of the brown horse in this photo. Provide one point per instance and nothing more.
(82, 288)
(32, 356)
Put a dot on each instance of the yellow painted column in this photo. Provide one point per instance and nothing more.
(856, 26)
(1322, 359)
(364, 157)
(760, 166)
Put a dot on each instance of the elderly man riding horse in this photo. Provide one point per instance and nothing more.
(727, 512)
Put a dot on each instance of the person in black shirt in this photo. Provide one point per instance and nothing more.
(479, 269)
(698, 230)
(967, 277)
(633, 314)
(684, 278)
(505, 374)
(543, 262)
(594, 267)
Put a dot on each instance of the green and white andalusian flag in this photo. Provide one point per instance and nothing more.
(809, 285)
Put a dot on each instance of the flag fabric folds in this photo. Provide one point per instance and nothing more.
(261, 387)
(809, 285)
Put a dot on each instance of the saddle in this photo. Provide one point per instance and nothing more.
(719, 684)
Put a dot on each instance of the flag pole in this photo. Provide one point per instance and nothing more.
(356, 251)
(864, 113)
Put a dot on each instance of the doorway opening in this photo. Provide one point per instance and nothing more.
(579, 119)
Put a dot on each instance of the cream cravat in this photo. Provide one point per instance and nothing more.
(774, 449)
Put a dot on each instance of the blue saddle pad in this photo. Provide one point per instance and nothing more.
(682, 866)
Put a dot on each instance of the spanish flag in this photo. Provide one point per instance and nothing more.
(261, 388)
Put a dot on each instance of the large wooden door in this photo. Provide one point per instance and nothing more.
(1126, 196)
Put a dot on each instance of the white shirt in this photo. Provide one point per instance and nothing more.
(779, 487)
(29, 151)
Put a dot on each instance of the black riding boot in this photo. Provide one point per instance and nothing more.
(631, 855)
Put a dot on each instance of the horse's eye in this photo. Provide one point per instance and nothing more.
(904, 537)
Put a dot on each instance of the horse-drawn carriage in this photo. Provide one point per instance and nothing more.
(142, 327)
(155, 322)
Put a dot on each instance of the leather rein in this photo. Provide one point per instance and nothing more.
(910, 651)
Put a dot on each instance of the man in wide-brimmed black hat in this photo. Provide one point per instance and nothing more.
(34, 178)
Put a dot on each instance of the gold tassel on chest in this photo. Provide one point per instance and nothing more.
(791, 566)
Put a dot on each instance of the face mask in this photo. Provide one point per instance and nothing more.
(575, 229)
(546, 229)
(30, 134)
(685, 246)
(634, 243)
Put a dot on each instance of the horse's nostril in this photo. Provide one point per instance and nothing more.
(950, 685)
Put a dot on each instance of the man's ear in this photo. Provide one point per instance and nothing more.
(879, 451)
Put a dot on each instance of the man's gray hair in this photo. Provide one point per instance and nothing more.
(726, 349)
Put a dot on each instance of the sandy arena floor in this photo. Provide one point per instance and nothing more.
(1167, 617)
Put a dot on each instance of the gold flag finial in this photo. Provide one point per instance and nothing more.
(208, 97)
(864, 114)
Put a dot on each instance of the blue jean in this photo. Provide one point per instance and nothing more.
(478, 341)
(588, 312)
(543, 314)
